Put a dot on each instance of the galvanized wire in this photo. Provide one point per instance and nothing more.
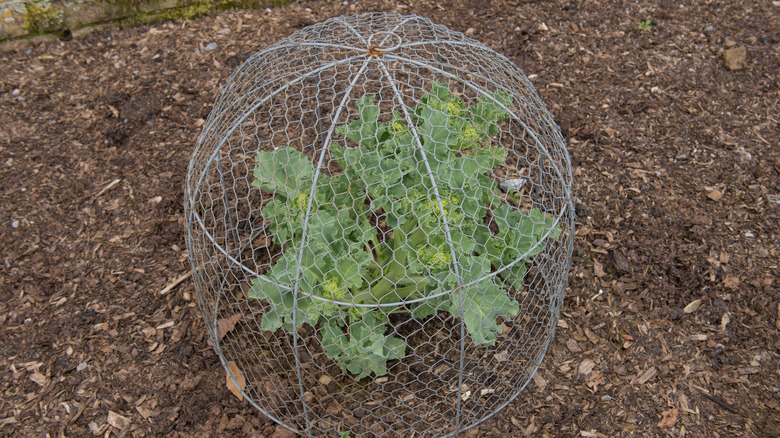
(297, 95)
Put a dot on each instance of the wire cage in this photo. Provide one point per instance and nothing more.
(380, 225)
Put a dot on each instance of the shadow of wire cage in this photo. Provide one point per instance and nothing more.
(380, 224)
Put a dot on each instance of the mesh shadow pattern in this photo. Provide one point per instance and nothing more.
(380, 225)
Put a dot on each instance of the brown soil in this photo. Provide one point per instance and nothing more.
(677, 173)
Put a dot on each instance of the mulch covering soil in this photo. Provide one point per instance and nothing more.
(670, 325)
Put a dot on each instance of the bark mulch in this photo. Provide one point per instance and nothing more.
(670, 325)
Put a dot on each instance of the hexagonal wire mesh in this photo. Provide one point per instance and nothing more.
(411, 188)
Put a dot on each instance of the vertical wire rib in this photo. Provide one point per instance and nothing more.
(462, 349)
(225, 199)
(304, 230)
(235, 239)
(445, 221)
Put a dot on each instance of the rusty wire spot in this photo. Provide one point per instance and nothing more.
(374, 51)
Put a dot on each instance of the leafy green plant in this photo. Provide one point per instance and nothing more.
(442, 214)
(645, 25)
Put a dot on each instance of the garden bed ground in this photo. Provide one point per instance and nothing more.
(671, 322)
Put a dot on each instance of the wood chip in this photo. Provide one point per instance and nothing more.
(145, 412)
(117, 420)
(598, 269)
(586, 367)
(692, 306)
(734, 58)
(715, 195)
(668, 418)
(731, 282)
(573, 346)
(539, 381)
(645, 376)
(39, 378)
(528, 431)
(725, 320)
(108, 187)
(592, 337)
(165, 325)
(777, 319)
(175, 283)
(240, 380)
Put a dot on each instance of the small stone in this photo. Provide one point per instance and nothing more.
(749, 234)
(15, 92)
(606, 398)
(210, 46)
(82, 366)
(512, 184)
(15, 224)
(735, 58)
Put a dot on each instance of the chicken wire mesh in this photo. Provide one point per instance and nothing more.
(380, 226)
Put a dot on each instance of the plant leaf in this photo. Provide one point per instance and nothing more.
(482, 304)
(365, 349)
(226, 325)
(240, 380)
(285, 171)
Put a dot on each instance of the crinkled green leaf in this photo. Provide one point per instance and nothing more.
(352, 268)
(281, 305)
(483, 303)
(285, 171)
(364, 348)
(364, 129)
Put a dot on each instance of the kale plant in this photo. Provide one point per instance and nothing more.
(376, 231)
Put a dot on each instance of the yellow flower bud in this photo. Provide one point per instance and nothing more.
(434, 205)
(301, 201)
(332, 289)
(452, 107)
